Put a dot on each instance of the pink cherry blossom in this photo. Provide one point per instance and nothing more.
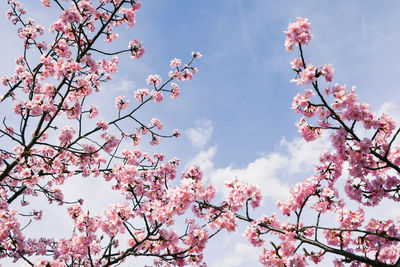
(140, 94)
(157, 96)
(153, 80)
(176, 62)
(327, 71)
(298, 33)
(136, 48)
(120, 103)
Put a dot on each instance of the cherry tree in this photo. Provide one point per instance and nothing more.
(55, 132)
(364, 156)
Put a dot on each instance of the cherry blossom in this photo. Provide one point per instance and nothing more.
(53, 141)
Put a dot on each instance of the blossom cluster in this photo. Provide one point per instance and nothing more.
(364, 145)
(298, 33)
(58, 138)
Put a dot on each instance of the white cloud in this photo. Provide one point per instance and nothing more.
(204, 160)
(120, 85)
(274, 173)
(259, 172)
(241, 254)
(201, 134)
(391, 109)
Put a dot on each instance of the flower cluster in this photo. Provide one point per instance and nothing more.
(298, 33)
(364, 144)
(54, 100)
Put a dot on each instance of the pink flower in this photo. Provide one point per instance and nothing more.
(240, 193)
(298, 33)
(70, 16)
(157, 96)
(298, 194)
(103, 124)
(308, 132)
(129, 15)
(307, 76)
(140, 93)
(176, 133)
(155, 140)
(74, 111)
(196, 54)
(156, 123)
(159, 156)
(187, 75)
(136, 48)
(175, 63)
(297, 64)
(120, 103)
(37, 215)
(252, 233)
(115, 215)
(110, 142)
(350, 219)
(9, 130)
(301, 104)
(67, 133)
(136, 139)
(93, 112)
(365, 145)
(174, 91)
(46, 3)
(153, 79)
(327, 71)
(196, 238)
(110, 36)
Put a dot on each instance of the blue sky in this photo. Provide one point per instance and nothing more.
(235, 115)
(242, 86)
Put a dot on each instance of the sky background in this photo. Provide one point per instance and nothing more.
(235, 115)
